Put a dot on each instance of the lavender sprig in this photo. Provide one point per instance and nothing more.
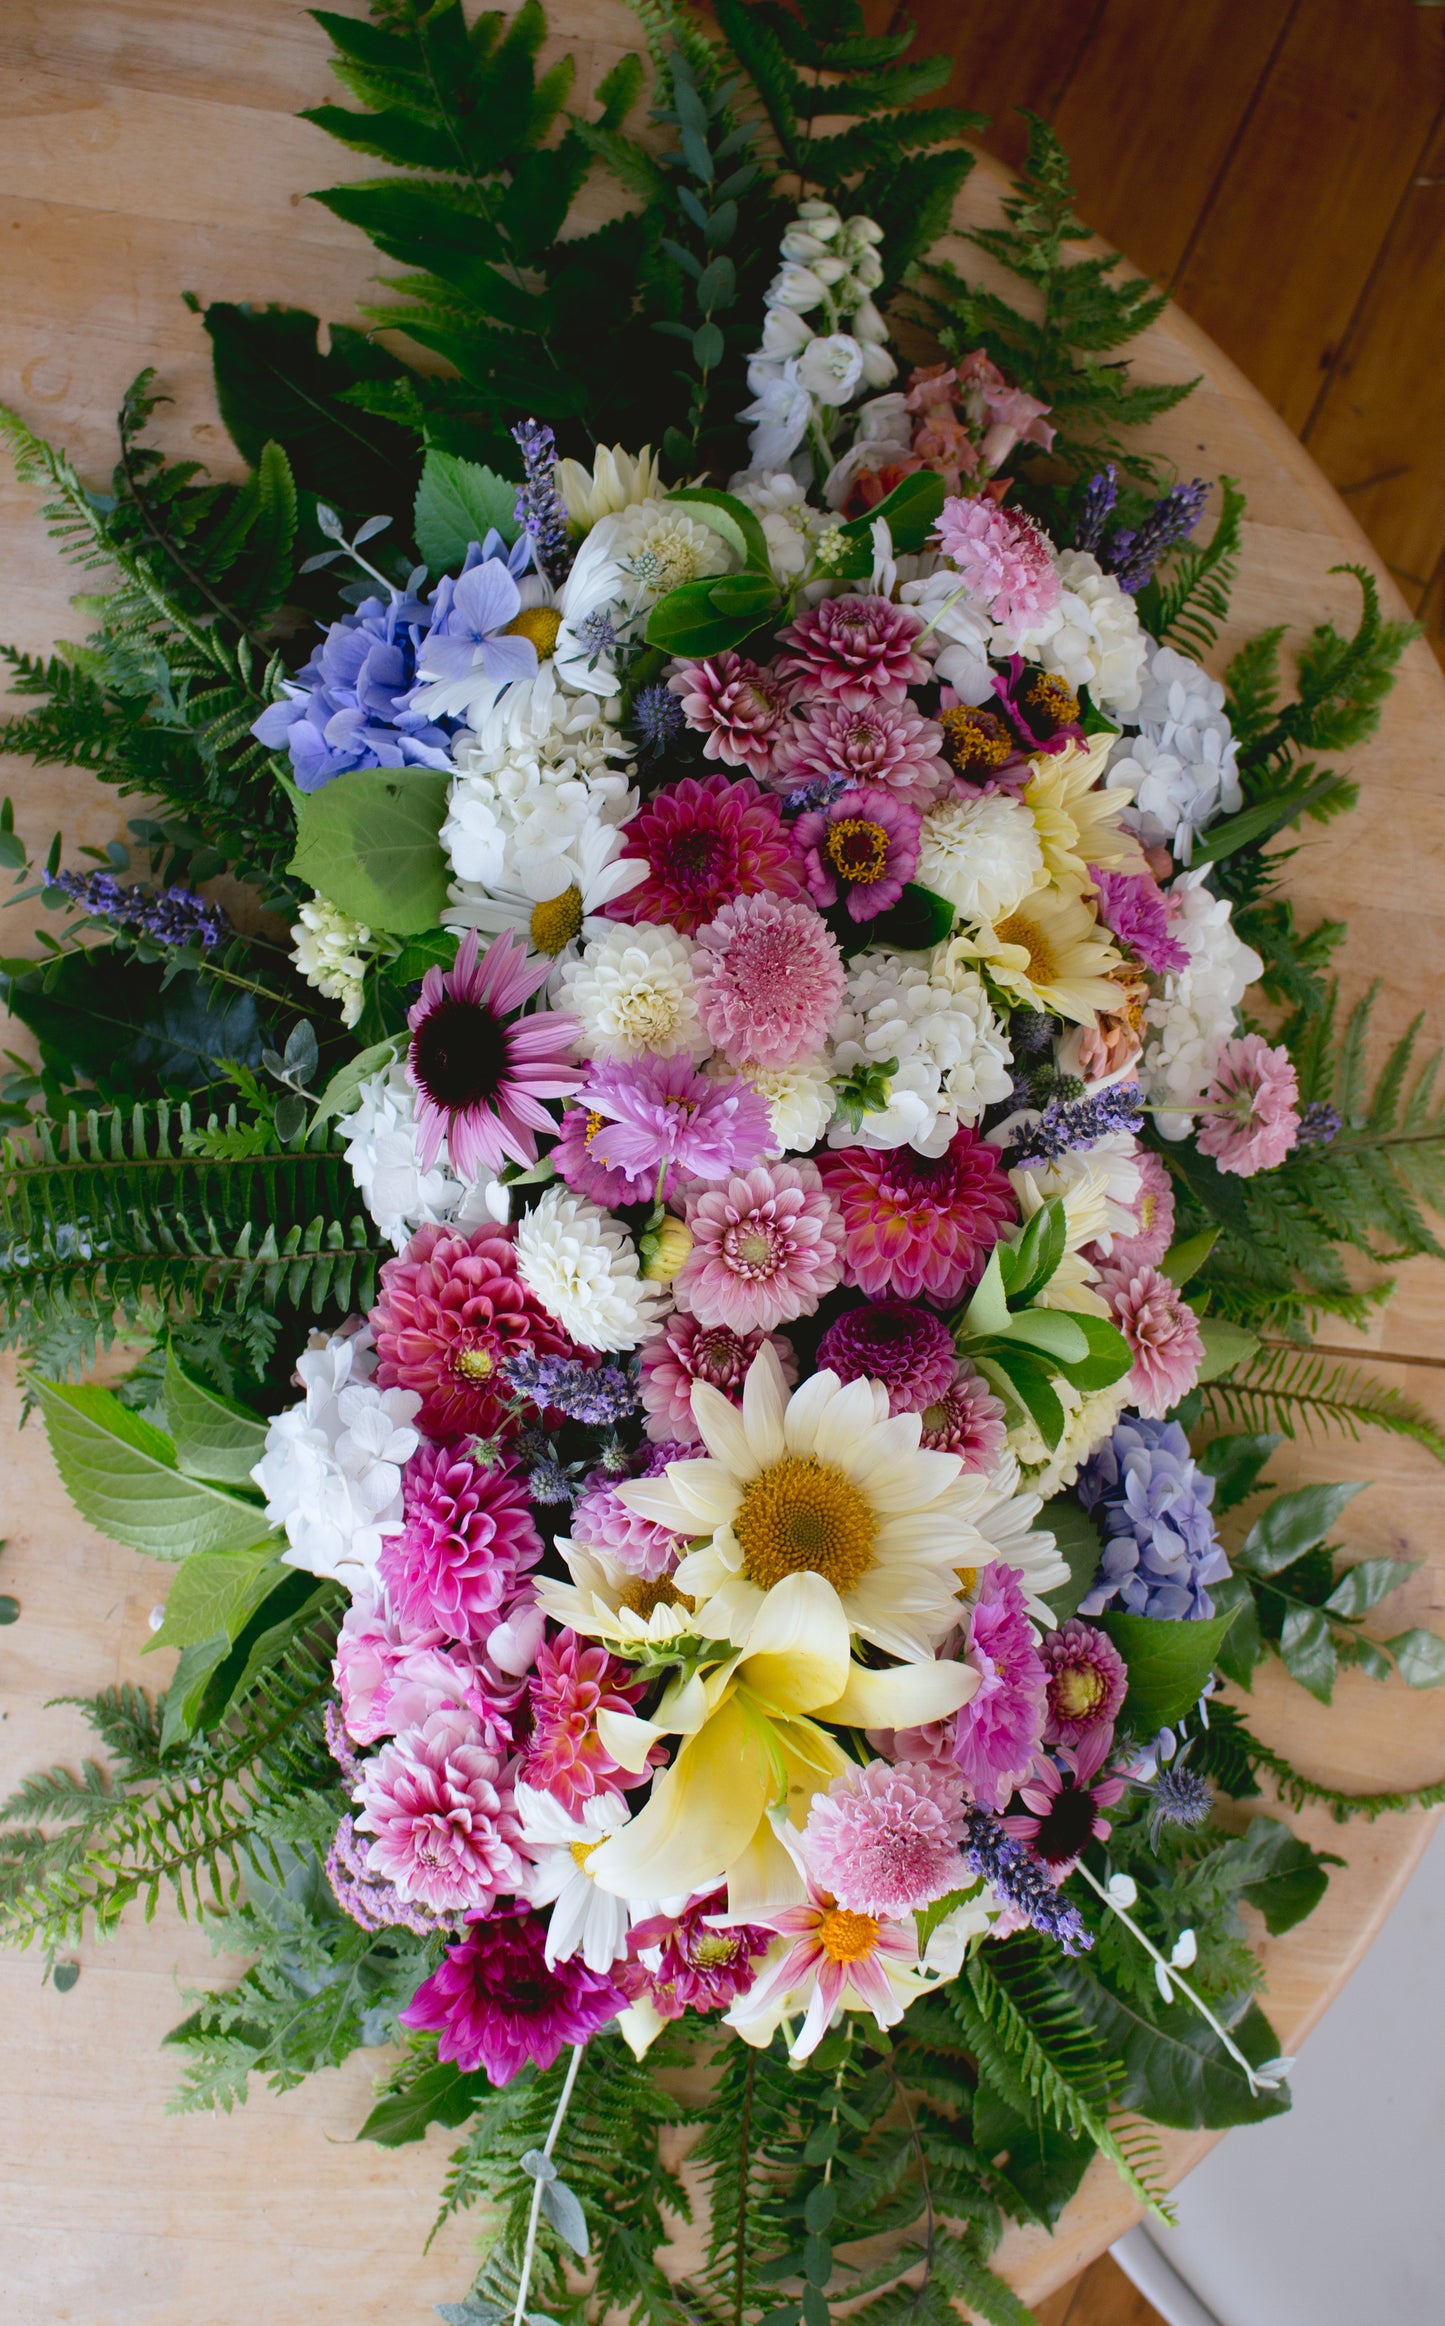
(540, 510)
(1100, 494)
(1134, 551)
(1319, 1123)
(599, 1395)
(171, 916)
(1020, 1879)
(1066, 1125)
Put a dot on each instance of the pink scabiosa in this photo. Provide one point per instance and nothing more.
(855, 650)
(999, 1728)
(1006, 561)
(451, 1311)
(480, 1081)
(740, 708)
(578, 1163)
(696, 1960)
(664, 1113)
(907, 1348)
(861, 848)
(919, 1224)
(495, 2002)
(440, 1810)
(601, 1521)
(686, 1350)
(968, 1420)
(765, 1249)
(574, 1680)
(770, 979)
(1087, 1681)
(875, 742)
(1163, 1336)
(467, 1541)
(1154, 1210)
(885, 1839)
(1254, 1099)
(706, 841)
(1063, 1800)
(1132, 908)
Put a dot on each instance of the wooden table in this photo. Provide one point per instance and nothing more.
(152, 149)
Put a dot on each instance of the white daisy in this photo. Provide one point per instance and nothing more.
(585, 1271)
(615, 480)
(585, 1920)
(633, 991)
(556, 904)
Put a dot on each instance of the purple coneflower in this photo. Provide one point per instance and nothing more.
(480, 1081)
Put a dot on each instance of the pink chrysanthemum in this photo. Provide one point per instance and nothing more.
(664, 1111)
(919, 1225)
(907, 1348)
(706, 842)
(765, 1249)
(440, 1808)
(699, 1966)
(495, 2002)
(862, 847)
(1005, 560)
(999, 1728)
(390, 1676)
(1163, 1336)
(1133, 909)
(739, 707)
(1154, 1209)
(885, 1839)
(479, 1081)
(857, 650)
(1087, 1681)
(1255, 1101)
(769, 980)
(686, 1351)
(574, 1681)
(1062, 1808)
(885, 743)
(601, 1521)
(968, 1420)
(577, 1161)
(452, 1310)
(467, 1540)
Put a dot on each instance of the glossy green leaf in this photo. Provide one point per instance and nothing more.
(214, 1438)
(1052, 1331)
(920, 920)
(1169, 1664)
(1185, 1259)
(121, 1474)
(1107, 1359)
(1225, 1346)
(731, 519)
(343, 1091)
(1291, 1525)
(1243, 1644)
(1308, 1651)
(1030, 1262)
(1419, 1657)
(1172, 2066)
(1236, 1464)
(439, 2095)
(368, 842)
(1364, 1586)
(1291, 1878)
(912, 511)
(1081, 1547)
(459, 502)
(686, 622)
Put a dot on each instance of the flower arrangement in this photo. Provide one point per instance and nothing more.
(693, 1405)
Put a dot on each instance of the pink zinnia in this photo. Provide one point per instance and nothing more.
(440, 1808)
(452, 1310)
(467, 1540)
(1062, 1808)
(765, 1249)
(1087, 1681)
(1154, 1210)
(664, 1112)
(907, 1348)
(578, 1163)
(495, 2002)
(968, 1420)
(573, 1682)
(862, 847)
(885, 1839)
(999, 1728)
(706, 842)
(601, 1521)
(390, 1676)
(686, 1351)
(700, 1965)
(479, 1081)
(1006, 562)
(769, 981)
(919, 1224)
(738, 706)
(1255, 1101)
(1163, 1336)
(887, 743)
(857, 649)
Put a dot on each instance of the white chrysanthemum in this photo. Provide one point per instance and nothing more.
(658, 546)
(1010, 1521)
(556, 904)
(616, 479)
(799, 1100)
(584, 1270)
(584, 1919)
(632, 991)
(983, 854)
(518, 802)
(958, 633)
(1093, 637)
(780, 504)
(952, 1054)
(331, 1472)
(380, 1139)
(1088, 1420)
(329, 949)
(1194, 1015)
(604, 1602)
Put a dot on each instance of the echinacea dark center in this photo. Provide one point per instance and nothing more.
(857, 849)
(459, 1055)
(1065, 1831)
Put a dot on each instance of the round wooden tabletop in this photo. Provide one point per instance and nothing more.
(152, 149)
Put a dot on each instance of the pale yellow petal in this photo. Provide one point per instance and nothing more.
(702, 1814)
(845, 1425)
(905, 1696)
(796, 1653)
(628, 1739)
(765, 1876)
(722, 1430)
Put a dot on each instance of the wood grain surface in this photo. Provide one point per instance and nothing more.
(151, 148)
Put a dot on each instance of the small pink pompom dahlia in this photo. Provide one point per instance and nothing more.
(739, 707)
(574, 1680)
(968, 1420)
(919, 1225)
(885, 743)
(857, 650)
(452, 1310)
(706, 842)
(765, 1249)
(1154, 1210)
(1087, 1681)
(999, 1728)
(885, 1839)
(1255, 1098)
(687, 1350)
(495, 2002)
(390, 1676)
(861, 848)
(1006, 562)
(663, 1111)
(1163, 1336)
(769, 981)
(480, 1081)
(440, 1809)
(907, 1348)
(601, 1521)
(467, 1541)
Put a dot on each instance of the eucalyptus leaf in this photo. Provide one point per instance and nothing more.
(1169, 1664)
(459, 502)
(121, 1474)
(214, 1438)
(1419, 1657)
(343, 1091)
(565, 2214)
(368, 843)
(1292, 1524)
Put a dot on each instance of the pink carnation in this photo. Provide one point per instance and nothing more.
(686, 1351)
(861, 848)
(919, 1225)
(705, 843)
(440, 1808)
(769, 981)
(452, 1311)
(885, 1839)
(495, 2002)
(1255, 1101)
(390, 1676)
(970, 1421)
(739, 707)
(765, 1249)
(885, 743)
(1162, 1333)
(999, 1728)
(1006, 562)
(585, 1174)
(663, 1111)
(467, 1541)
(858, 650)
(573, 1682)
(1154, 1210)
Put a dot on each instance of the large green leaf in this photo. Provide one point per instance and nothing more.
(272, 381)
(459, 502)
(214, 1438)
(1243, 1644)
(1284, 1877)
(1419, 1656)
(1308, 1651)
(1292, 1524)
(1236, 1464)
(368, 842)
(1168, 1664)
(121, 1474)
(1173, 2067)
(1225, 1346)
(1044, 2164)
(1080, 1545)
(214, 1596)
(1365, 1585)
(439, 2095)
(113, 1021)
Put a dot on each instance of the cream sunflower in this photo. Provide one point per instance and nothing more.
(1049, 953)
(824, 1483)
(1077, 824)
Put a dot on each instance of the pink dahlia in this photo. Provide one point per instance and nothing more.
(601, 1521)
(1254, 1099)
(769, 980)
(664, 1113)
(467, 1540)
(495, 2002)
(452, 1311)
(968, 1420)
(999, 1728)
(876, 742)
(885, 1839)
(1087, 1681)
(919, 1224)
(706, 842)
(1006, 562)
(480, 1082)
(1063, 1800)
(1163, 1336)
(857, 650)
(390, 1676)
(739, 707)
(440, 1808)
(573, 1682)
(765, 1249)
(907, 1348)
(1154, 1210)
(697, 1965)
(862, 847)
(576, 1158)
(686, 1351)
(1132, 908)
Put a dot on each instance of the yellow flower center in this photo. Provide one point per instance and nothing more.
(1078, 1690)
(967, 1581)
(857, 849)
(539, 623)
(640, 1598)
(803, 1516)
(974, 739)
(475, 1364)
(1054, 697)
(581, 1851)
(847, 1937)
(717, 1948)
(556, 921)
(1019, 930)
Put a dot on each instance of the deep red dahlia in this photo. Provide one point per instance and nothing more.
(452, 1310)
(919, 1224)
(706, 843)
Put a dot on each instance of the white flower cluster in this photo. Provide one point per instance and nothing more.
(524, 805)
(952, 1054)
(331, 1472)
(379, 1137)
(584, 1270)
(1194, 1015)
(1180, 765)
(329, 949)
(983, 854)
(1093, 638)
(633, 991)
(801, 375)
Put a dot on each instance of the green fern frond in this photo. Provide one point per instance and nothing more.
(1304, 1393)
(1190, 605)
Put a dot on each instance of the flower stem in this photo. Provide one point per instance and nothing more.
(1176, 1978)
(529, 2251)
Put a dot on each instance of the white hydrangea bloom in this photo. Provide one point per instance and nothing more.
(632, 991)
(523, 797)
(1093, 637)
(1088, 1420)
(953, 1055)
(960, 632)
(331, 1472)
(982, 854)
(1181, 766)
(1194, 1015)
(380, 1139)
(329, 949)
(585, 1271)
(799, 1102)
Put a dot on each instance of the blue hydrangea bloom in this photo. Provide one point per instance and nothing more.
(1152, 1502)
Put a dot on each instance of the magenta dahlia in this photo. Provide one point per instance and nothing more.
(885, 1839)
(1000, 1727)
(586, 1174)
(907, 1348)
(480, 1081)
(968, 1420)
(495, 2002)
(769, 979)
(706, 842)
(856, 650)
(1087, 1681)
(1255, 1102)
(1163, 1336)
(1005, 559)
(467, 1540)
(440, 1809)
(1133, 909)
(664, 1113)
(687, 1350)
(697, 1966)
(861, 848)
(765, 1249)
(452, 1310)
(573, 1681)
(919, 1224)
(876, 742)
(739, 707)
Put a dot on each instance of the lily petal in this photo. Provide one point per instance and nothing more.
(904, 1696)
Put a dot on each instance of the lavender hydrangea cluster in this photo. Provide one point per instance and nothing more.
(348, 706)
(171, 916)
(1161, 1551)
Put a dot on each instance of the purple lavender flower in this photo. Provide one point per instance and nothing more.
(1019, 1879)
(1134, 551)
(348, 706)
(601, 1396)
(172, 916)
(1319, 1123)
(1152, 1502)
(540, 510)
(1096, 508)
(1067, 1125)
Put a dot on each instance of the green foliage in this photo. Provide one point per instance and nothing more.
(1301, 1393)
(368, 843)
(118, 1027)
(120, 1472)
(459, 502)
(1231, 1754)
(1188, 607)
(1169, 1665)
